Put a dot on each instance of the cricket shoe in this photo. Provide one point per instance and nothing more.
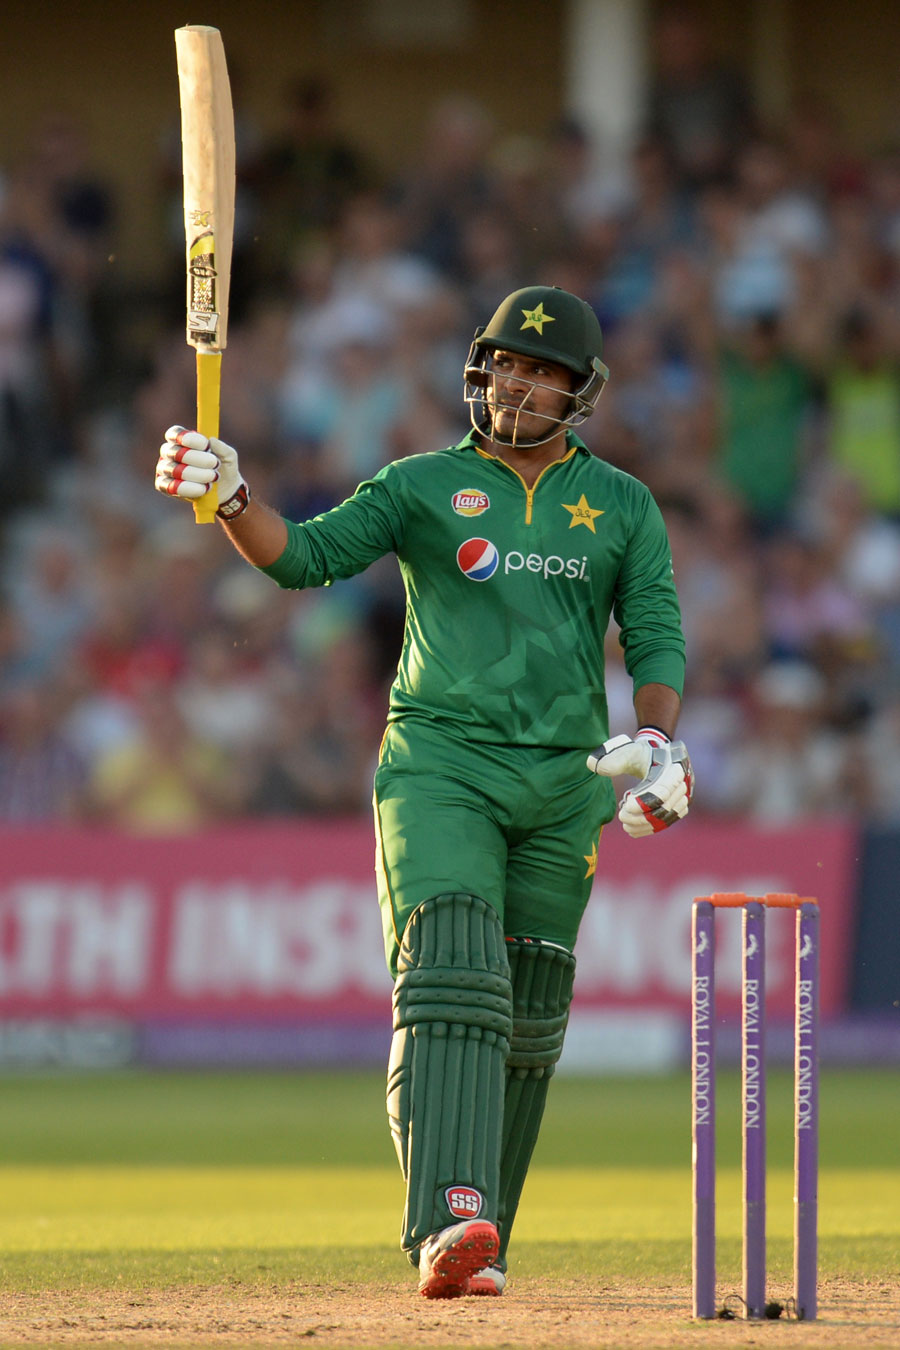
(449, 1258)
(490, 1281)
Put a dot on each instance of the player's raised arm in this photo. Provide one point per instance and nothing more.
(189, 463)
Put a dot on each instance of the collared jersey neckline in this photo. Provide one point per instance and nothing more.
(572, 441)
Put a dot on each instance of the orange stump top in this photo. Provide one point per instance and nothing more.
(737, 900)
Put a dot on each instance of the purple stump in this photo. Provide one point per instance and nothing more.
(703, 1107)
(806, 1112)
(753, 1106)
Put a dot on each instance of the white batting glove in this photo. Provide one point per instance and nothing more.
(189, 463)
(667, 780)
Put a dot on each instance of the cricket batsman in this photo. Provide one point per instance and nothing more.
(516, 547)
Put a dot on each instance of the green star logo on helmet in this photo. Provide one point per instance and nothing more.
(536, 318)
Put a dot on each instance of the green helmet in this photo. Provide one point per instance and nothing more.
(545, 322)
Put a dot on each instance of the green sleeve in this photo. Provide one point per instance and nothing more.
(645, 604)
(345, 540)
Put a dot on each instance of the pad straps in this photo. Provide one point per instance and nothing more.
(542, 979)
(452, 1023)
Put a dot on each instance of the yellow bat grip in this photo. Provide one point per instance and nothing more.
(209, 373)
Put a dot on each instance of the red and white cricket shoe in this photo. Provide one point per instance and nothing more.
(491, 1282)
(448, 1259)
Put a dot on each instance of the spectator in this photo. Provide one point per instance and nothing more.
(450, 178)
(791, 765)
(307, 173)
(716, 564)
(165, 777)
(374, 266)
(874, 769)
(749, 283)
(54, 597)
(656, 220)
(809, 615)
(42, 778)
(885, 190)
(821, 165)
(749, 272)
(219, 699)
(349, 415)
(79, 240)
(30, 395)
(14, 661)
(119, 651)
(489, 256)
(322, 739)
(863, 394)
(577, 181)
(779, 211)
(766, 410)
(699, 108)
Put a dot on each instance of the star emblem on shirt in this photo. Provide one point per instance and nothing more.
(591, 860)
(536, 318)
(582, 514)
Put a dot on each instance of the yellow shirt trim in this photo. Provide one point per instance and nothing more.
(529, 491)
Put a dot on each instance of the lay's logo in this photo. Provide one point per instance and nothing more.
(469, 502)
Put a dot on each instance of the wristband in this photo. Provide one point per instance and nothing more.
(236, 505)
(653, 735)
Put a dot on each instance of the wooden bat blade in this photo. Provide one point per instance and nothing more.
(208, 155)
(207, 136)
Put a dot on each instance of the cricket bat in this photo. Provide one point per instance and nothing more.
(207, 139)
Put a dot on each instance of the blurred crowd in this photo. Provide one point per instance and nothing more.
(747, 278)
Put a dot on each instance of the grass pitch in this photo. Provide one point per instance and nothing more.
(252, 1182)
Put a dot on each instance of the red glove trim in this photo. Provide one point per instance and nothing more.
(655, 735)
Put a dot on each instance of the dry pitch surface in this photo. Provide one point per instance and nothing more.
(569, 1313)
(123, 1201)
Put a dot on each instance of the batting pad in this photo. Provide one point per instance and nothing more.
(542, 981)
(452, 1023)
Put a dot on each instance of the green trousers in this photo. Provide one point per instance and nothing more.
(516, 825)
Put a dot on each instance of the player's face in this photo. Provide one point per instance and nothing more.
(527, 395)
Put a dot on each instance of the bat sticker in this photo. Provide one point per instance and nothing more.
(203, 318)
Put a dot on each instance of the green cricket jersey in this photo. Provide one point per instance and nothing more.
(509, 589)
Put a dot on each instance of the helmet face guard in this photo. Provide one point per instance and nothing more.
(547, 324)
(483, 403)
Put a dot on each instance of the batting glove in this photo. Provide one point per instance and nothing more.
(189, 463)
(667, 780)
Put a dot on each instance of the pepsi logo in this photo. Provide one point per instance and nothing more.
(470, 502)
(464, 1202)
(477, 559)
